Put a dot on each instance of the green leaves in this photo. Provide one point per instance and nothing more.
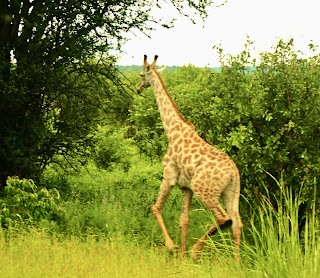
(112, 150)
(24, 203)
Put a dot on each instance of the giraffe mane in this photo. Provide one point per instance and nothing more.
(172, 102)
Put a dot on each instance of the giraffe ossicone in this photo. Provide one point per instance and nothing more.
(195, 166)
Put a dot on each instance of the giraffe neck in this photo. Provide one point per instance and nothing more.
(171, 117)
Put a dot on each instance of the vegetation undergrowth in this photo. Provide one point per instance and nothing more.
(272, 246)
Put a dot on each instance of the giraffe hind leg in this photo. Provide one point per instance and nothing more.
(230, 198)
(184, 217)
(222, 220)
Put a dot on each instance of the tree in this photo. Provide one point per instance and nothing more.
(56, 69)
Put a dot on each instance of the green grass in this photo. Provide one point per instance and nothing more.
(271, 247)
(35, 254)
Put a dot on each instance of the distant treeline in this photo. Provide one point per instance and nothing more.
(139, 68)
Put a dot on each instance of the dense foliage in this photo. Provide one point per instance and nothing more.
(263, 112)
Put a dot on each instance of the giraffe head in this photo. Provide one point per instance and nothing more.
(146, 74)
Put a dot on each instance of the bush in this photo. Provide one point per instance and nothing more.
(112, 149)
(22, 202)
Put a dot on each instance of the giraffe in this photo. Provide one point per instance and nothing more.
(195, 166)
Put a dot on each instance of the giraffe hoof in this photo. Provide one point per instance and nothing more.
(195, 254)
(170, 245)
(173, 249)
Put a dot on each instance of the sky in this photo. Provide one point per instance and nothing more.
(264, 21)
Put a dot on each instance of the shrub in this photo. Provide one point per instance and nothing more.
(112, 149)
(22, 202)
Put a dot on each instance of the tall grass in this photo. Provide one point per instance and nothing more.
(279, 249)
(272, 244)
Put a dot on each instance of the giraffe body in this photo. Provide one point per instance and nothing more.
(195, 166)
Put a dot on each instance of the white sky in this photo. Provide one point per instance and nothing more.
(265, 21)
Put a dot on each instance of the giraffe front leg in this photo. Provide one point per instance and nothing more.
(165, 189)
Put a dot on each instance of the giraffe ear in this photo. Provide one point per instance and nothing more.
(154, 61)
(160, 71)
